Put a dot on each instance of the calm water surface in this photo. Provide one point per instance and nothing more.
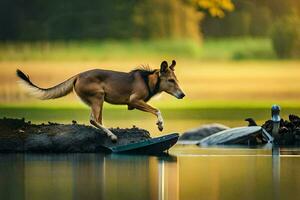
(188, 173)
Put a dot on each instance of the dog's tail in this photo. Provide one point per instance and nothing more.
(57, 91)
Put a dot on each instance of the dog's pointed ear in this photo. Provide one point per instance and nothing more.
(172, 66)
(163, 66)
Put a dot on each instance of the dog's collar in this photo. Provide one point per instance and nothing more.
(155, 90)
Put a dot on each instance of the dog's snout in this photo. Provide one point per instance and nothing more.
(181, 96)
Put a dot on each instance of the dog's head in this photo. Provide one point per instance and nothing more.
(168, 80)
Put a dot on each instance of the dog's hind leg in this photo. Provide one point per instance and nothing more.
(96, 118)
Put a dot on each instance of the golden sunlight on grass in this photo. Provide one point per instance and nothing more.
(205, 81)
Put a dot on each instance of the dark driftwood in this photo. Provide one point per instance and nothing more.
(289, 131)
(17, 135)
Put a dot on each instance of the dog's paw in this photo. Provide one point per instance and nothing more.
(160, 125)
(113, 138)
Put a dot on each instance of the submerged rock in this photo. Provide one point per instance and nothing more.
(201, 132)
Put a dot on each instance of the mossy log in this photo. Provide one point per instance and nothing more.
(17, 135)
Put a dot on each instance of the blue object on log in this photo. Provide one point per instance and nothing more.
(149, 146)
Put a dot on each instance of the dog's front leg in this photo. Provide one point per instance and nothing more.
(160, 120)
(143, 106)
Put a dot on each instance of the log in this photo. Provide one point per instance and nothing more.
(17, 135)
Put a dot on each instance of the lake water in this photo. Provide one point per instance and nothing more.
(189, 172)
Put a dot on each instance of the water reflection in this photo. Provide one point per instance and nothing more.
(88, 176)
(200, 174)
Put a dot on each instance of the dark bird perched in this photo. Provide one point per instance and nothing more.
(251, 121)
(294, 119)
(258, 137)
(287, 124)
(285, 132)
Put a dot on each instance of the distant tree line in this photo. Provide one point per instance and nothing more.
(97, 19)
(250, 18)
(145, 19)
(278, 20)
(46, 20)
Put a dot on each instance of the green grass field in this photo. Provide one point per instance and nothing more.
(216, 49)
(244, 82)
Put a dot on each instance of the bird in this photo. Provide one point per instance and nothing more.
(251, 121)
(275, 110)
(271, 127)
(295, 120)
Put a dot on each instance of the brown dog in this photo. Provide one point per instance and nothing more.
(96, 86)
